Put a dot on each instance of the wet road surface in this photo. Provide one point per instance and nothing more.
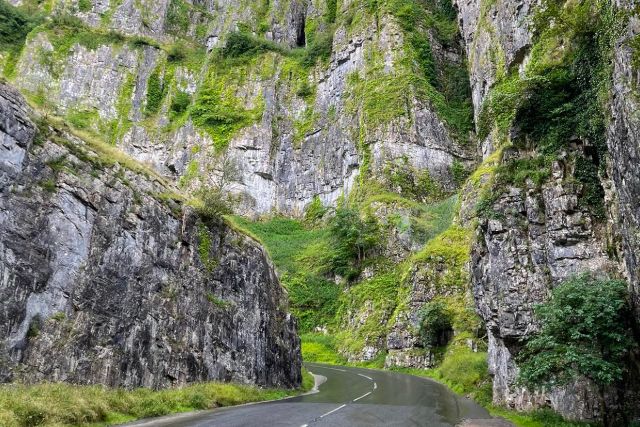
(347, 397)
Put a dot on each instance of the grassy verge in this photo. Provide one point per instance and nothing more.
(62, 404)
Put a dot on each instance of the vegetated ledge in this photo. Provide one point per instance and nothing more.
(63, 404)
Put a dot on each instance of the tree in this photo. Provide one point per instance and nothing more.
(354, 237)
(584, 333)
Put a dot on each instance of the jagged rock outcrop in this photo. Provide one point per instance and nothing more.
(106, 279)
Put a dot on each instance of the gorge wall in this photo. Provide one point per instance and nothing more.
(525, 109)
(106, 279)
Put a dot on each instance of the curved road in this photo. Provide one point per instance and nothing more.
(348, 397)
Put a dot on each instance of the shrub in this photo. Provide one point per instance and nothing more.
(241, 44)
(584, 333)
(14, 27)
(354, 236)
(156, 90)
(319, 49)
(180, 102)
(211, 204)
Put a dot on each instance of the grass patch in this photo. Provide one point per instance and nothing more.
(65, 405)
(321, 348)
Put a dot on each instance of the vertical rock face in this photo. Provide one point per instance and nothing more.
(536, 239)
(534, 236)
(309, 136)
(624, 146)
(103, 282)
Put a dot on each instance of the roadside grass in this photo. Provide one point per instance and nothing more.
(60, 404)
(463, 372)
(320, 348)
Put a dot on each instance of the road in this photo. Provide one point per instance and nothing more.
(347, 397)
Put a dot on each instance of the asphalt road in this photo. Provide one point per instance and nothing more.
(348, 397)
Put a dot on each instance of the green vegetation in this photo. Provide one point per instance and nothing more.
(560, 103)
(300, 253)
(219, 112)
(15, 24)
(406, 180)
(585, 333)
(321, 348)
(156, 90)
(67, 405)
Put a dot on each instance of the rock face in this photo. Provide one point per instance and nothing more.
(300, 144)
(535, 236)
(537, 239)
(624, 146)
(104, 282)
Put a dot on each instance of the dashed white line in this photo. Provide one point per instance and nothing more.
(375, 386)
(331, 412)
(333, 369)
(364, 376)
(362, 397)
(304, 425)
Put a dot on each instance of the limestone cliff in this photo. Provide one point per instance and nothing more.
(107, 279)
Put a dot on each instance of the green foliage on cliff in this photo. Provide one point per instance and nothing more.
(585, 332)
(560, 102)
(69, 405)
(157, 88)
(15, 24)
(219, 112)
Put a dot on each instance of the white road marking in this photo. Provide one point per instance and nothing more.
(304, 425)
(369, 378)
(331, 412)
(362, 397)
(333, 369)
(375, 386)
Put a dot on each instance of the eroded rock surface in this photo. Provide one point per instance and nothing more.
(104, 282)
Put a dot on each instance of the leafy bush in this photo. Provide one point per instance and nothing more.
(436, 324)
(354, 237)
(211, 204)
(156, 90)
(319, 49)
(585, 332)
(180, 102)
(315, 211)
(15, 24)
(243, 44)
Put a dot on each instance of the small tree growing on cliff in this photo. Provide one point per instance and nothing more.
(585, 333)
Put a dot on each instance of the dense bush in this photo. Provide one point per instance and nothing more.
(319, 49)
(354, 237)
(240, 44)
(180, 102)
(585, 332)
(15, 24)
(212, 203)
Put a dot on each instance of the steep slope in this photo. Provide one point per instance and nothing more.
(108, 278)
